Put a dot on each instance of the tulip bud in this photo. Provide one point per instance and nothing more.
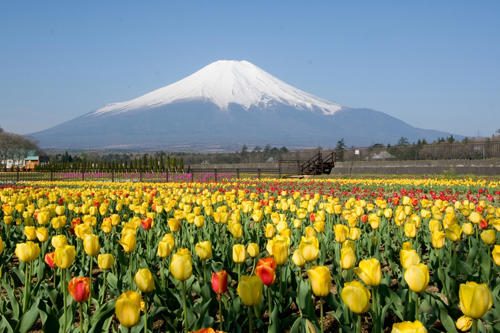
(181, 266)
(464, 323)
(30, 233)
(409, 327)
(321, 280)
(204, 250)
(105, 261)
(79, 288)
(42, 234)
(266, 270)
(356, 296)
(475, 299)
(408, 258)
(250, 290)
(58, 241)
(91, 245)
(437, 239)
(2, 245)
(495, 254)
(128, 308)
(128, 241)
(174, 224)
(347, 258)
(369, 271)
(488, 236)
(164, 249)
(417, 277)
(49, 259)
(468, 228)
(253, 249)
(298, 259)
(144, 280)
(280, 251)
(341, 232)
(27, 252)
(64, 256)
(309, 248)
(219, 282)
(147, 223)
(239, 253)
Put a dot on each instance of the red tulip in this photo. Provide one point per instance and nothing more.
(49, 259)
(79, 288)
(266, 270)
(147, 223)
(219, 282)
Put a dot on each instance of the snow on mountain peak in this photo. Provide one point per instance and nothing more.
(224, 82)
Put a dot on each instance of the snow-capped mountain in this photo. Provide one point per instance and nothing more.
(226, 82)
(223, 106)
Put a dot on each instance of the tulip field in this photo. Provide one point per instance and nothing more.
(275, 255)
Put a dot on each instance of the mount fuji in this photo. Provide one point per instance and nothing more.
(222, 106)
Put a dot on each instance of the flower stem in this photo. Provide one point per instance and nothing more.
(269, 302)
(250, 323)
(474, 326)
(321, 314)
(65, 294)
(417, 305)
(104, 284)
(220, 313)
(185, 306)
(358, 325)
(81, 317)
(90, 284)
(145, 315)
(26, 286)
(130, 269)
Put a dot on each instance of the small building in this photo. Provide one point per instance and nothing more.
(31, 162)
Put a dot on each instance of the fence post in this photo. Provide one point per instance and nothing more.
(113, 176)
(83, 174)
(258, 173)
(167, 175)
(17, 175)
(215, 174)
(51, 175)
(192, 176)
(237, 173)
(279, 170)
(140, 176)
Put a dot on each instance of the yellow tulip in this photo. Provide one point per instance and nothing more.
(341, 232)
(253, 249)
(438, 239)
(60, 210)
(42, 234)
(58, 241)
(269, 230)
(2, 245)
(173, 224)
(321, 280)
(181, 266)
(417, 277)
(319, 226)
(410, 229)
(309, 248)
(464, 323)
(105, 261)
(144, 280)
(475, 217)
(58, 222)
(468, 228)
(239, 253)
(164, 249)
(495, 254)
(128, 308)
(369, 271)
(280, 251)
(83, 229)
(409, 327)
(356, 296)
(128, 241)
(475, 299)
(91, 245)
(203, 250)
(374, 219)
(250, 290)
(347, 257)
(454, 232)
(354, 233)
(488, 236)
(408, 258)
(298, 259)
(30, 233)
(27, 252)
(64, 256)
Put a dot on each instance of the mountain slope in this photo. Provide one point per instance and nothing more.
(223, 106)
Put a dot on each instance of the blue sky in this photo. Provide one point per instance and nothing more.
(433, 64)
